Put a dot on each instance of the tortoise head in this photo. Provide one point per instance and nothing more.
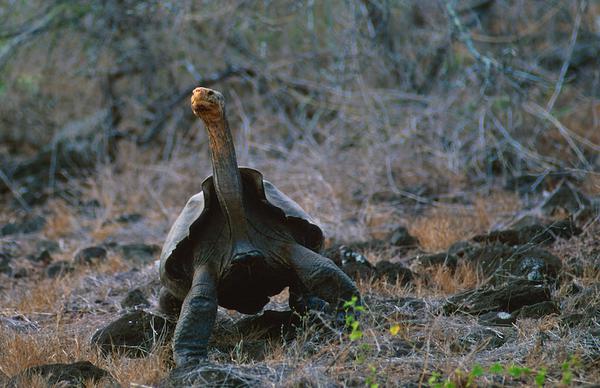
(208, 104)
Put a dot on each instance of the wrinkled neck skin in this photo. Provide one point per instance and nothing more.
(226, 175)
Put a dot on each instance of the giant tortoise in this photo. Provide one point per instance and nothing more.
(238, 242)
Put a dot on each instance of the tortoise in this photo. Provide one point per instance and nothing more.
(237, 243)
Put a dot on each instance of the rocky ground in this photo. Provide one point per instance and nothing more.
(519, 305)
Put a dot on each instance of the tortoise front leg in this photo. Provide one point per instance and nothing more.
(320, 276)
(197, 318)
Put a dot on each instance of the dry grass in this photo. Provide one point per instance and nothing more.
(442, 227)
(61, 221)
(445, 281)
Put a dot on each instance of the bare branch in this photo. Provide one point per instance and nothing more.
(487, 61)
(568, 135)
(565, 65)
(169, 105)
(27, 34)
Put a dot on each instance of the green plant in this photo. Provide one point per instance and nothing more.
(540, 377)
(435, 381)
(352, 309)
(567, 368)
(371, 380)
(514, 371)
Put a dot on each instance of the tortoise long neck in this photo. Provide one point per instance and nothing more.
(227, 179)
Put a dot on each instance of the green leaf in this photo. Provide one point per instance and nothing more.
(540, 377)
(449, 384)
(496, 368)
(351, 302)
(567, 378)
(356, 335)
(434, 378)
(514, 371)
(477, 371)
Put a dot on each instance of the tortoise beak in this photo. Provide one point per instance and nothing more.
(204, 100)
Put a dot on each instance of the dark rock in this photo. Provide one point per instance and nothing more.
(526, 219)
(459, 248)
(401, 238)
(133, 334)
(44, 257)
(5, 260)
(28, 225)
(509, 236)
(393, 272)
(90, 255)
(129, 218)
(353, 263)
(48, 245)
(443, 258)
(140, 253)
(71, 375)
(538, 310)
(501, 318)
(534, 234)
(502, 261)
(59, 268)
(20, 273)
(565, 197)
(482, 338)
(135, 298)
(509, 297)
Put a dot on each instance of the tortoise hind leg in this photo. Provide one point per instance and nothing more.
(320, 276)
(195, 324)
(301, 301)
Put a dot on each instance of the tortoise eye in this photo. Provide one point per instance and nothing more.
(210, 93)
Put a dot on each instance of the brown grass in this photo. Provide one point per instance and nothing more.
(61, 221)
(441, 227)
(445, 281)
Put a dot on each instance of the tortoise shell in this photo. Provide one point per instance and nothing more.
(176, 255)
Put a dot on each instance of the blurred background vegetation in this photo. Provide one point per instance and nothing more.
(344, 103)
